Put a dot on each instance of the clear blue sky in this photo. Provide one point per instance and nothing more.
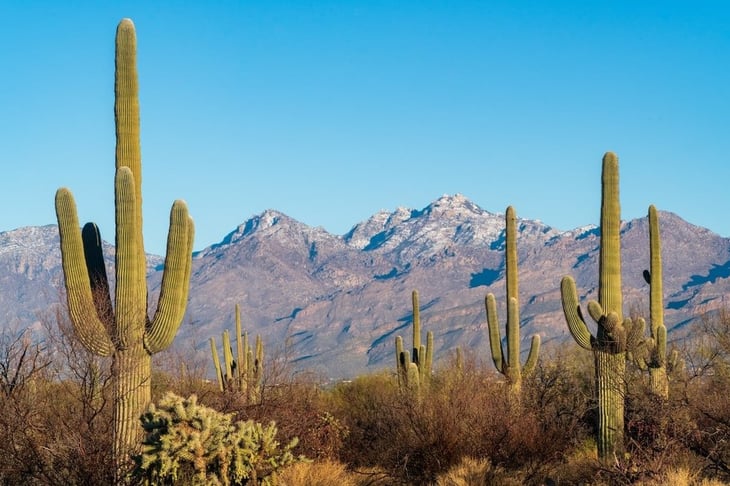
(331, 111)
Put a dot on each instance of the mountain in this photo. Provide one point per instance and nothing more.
(334, 304)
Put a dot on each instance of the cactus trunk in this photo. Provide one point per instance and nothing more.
(610, 372)
(131, 397)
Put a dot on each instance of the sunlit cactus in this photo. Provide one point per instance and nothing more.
(615, 335)
(415, 369)
(245, 373)
(654, 355)
(509, 365)
(124, 330)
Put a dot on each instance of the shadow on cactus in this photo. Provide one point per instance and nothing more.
(188, 443)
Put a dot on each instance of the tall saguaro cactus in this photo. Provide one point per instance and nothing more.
(615, 335)
(654, 356)
(510, 366)
(414, 369)
(124, 330)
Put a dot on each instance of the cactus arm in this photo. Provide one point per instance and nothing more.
(429, 353)
(131, 286)
(90, 330)
(247, 363)
(96, 266)
(240, 353)
(573, 314)
(412, 376)
(532, 356)
(595, 311)
(399, 366)
(674, 361)
(495, 340)
(250, 372)
(259, 359)
(416, 327)
(216, 363)
(422, 365)
(175, 281)
(459, 359)
(227, 357)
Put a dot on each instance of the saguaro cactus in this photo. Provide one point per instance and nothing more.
(414, 369)
(246, 372)
(614, 334)
(510, 367)
(654, 355)
(124, 330)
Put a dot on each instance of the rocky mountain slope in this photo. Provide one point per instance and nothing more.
(334, 304)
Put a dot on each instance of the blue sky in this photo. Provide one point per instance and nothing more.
(331, 111)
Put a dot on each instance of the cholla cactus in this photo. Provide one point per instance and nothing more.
(192, 444)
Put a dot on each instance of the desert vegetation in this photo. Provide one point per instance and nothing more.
(464, 428)
(82, 403)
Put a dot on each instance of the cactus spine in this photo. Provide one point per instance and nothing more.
(417, 371)
(124, 331)
(614, 334)
(654, 356)
(246, 372)
(510, 367)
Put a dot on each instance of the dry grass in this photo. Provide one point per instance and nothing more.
(477, 472)
(683, 477)
(329, 473)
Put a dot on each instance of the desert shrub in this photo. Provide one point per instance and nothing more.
(184, 371)
(195, 444)
(462, 413)
(301, 407)
(703, 393)
(56, 419)
(558, 400)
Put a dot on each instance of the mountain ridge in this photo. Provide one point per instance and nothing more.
(334, 303)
